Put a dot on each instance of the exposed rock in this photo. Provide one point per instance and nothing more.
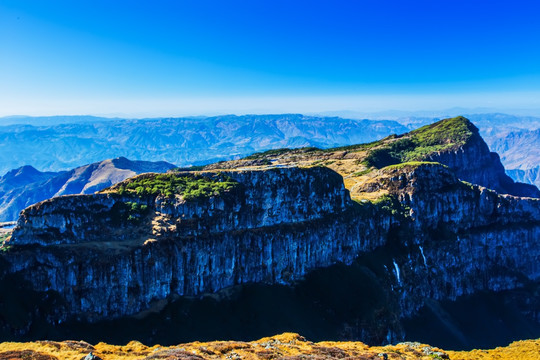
(91, 356)
(25, 354)
(246, 239)
(446, 238)
(173, 354)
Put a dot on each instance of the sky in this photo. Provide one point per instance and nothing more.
(175, 58)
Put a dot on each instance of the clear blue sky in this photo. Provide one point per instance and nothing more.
(179, 57)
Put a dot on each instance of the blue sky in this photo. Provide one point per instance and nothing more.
(144, 58)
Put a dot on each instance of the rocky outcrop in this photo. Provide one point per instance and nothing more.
(464, 238)
(263, 199)
(474, 163)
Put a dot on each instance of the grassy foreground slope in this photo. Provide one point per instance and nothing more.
(285, 346)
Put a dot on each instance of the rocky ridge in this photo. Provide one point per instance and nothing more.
(435, 236)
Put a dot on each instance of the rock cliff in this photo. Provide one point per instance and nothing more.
(274, 228)
(154, 238)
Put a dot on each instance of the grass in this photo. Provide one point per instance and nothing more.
(363, 172)
(365, 146)
(413, 164)
(417, 145)
(3, 239)
(287, 344)
(189, 186)
(278, 152)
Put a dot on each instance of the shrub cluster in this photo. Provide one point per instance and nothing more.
(187, 185)
(418, 144)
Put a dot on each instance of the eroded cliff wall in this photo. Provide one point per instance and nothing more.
(449, 238)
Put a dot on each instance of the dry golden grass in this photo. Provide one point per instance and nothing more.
(288, 345)
(519, 350)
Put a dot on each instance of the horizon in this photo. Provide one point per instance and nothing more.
(207, 58)
(384, 115)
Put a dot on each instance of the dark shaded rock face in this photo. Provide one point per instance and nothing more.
(444, 239)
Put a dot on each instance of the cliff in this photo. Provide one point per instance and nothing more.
(416, 231)
(273, 227)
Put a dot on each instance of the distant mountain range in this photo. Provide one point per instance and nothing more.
(63, 142)
(25, 186)
(182, 141)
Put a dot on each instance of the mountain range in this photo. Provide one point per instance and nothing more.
(25, 186)
(181, 141)
(60, 143)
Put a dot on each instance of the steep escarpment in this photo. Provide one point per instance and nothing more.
(107, 265)
(435, 237)
(415, 233)
(466, 237)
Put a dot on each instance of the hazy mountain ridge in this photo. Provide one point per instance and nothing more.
(530, 176)
(42, 143)
(182, 141)
(25, 186)
(519, 149)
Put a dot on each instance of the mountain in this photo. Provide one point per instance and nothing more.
(182, 141)
(455, 142)
(360, 242)
(518, 149)
(25, 186)
(44, 142)
(530, 176)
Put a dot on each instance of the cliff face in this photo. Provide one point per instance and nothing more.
(456, 242)
(464, 237)
(155, 237)
(264, 198)
(476, 164)
(279, 225)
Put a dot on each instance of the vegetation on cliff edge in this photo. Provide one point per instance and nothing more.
(418, 144)
(189, 186)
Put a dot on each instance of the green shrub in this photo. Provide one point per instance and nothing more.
(188, 186)
(419, 144)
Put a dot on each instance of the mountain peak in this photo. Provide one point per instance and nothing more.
(22, 176)
(452, 131)
(26, 170)
(454, 142)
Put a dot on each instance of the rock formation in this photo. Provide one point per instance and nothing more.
(156, 237)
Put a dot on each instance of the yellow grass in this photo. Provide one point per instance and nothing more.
(519, 350)
(275, 347)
